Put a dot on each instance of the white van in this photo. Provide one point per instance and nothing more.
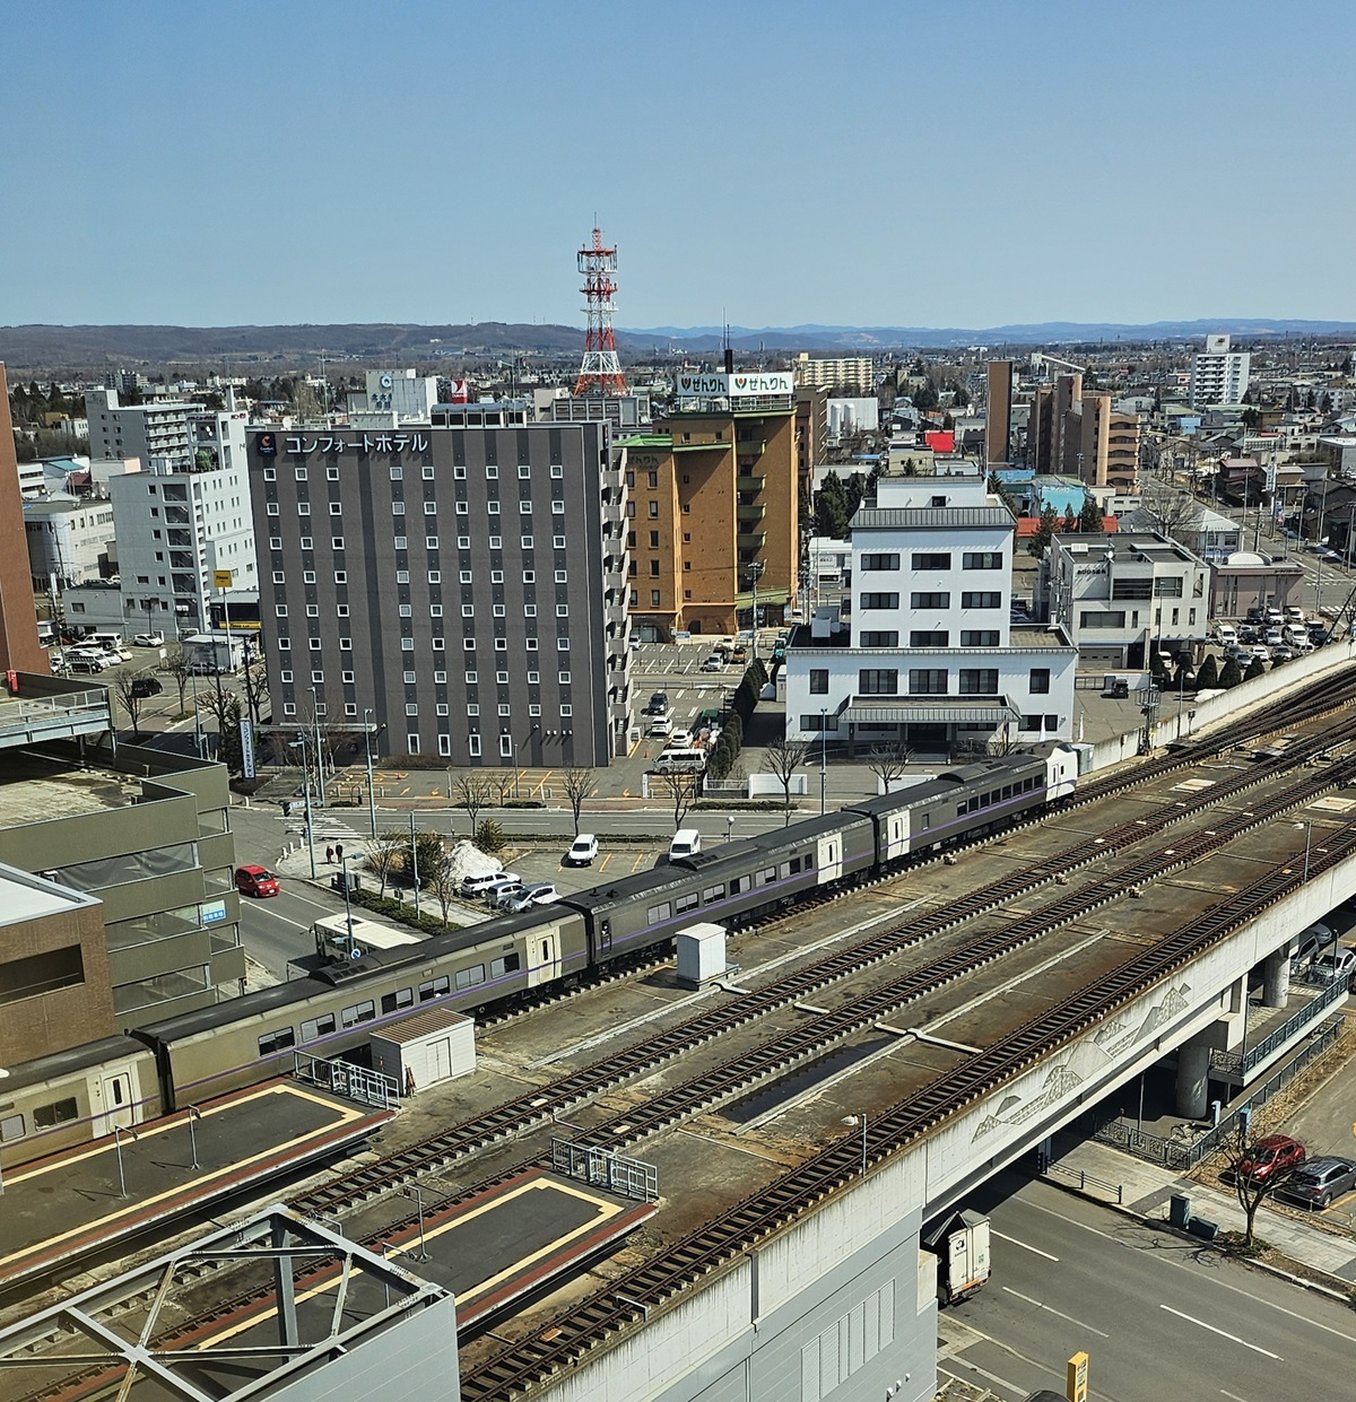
(687, 842)
(111, 642)
(681, 760)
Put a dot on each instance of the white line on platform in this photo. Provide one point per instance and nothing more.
(1059, 1314)
(1233, 1338)
(1025, 1246)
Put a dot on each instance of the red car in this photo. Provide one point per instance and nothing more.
(1271, 1155)
(256, 881)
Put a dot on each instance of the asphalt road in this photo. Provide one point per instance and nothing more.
(1160, 1318)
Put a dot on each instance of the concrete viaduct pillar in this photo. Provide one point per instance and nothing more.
(1193, 1075)
(1276, 978)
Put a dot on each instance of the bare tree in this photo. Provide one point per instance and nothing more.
(888, 761)
(473, 792)
(385, 857)
(439, 875)
(132, 700)
(784, 757)
(1167, 509)
(578, 784)
(681, 789)
(1256, 1174)
(177, 666)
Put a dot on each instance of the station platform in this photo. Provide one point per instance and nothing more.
(70, 1205)
(514, 1239)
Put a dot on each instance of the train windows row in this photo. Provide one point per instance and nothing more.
(690, 900)
(59, 1112)
(978, 801)
(313, 1029)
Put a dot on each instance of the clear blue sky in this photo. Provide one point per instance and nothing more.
(967, 163)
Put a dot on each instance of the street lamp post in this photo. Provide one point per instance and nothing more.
(319, 761)
(414, 864)
(300, 743)
(371, 791)
(348, 903)
(755, 570)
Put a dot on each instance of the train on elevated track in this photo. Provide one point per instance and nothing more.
(331, 1011)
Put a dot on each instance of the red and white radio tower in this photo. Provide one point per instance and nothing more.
(600, 371)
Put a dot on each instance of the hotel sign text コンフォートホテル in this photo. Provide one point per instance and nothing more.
(735, 386)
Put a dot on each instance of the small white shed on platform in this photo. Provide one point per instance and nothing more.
(701, 954)
(425, 1048)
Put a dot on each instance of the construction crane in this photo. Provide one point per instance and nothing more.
(1039, 359)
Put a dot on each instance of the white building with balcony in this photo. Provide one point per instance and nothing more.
(929, 657)
(1121, 596)
(180, 521)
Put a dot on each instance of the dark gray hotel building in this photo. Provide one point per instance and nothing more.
(464, 582)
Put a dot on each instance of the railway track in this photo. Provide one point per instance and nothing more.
(567, 1339)
(738, 1076)
(536, 1107)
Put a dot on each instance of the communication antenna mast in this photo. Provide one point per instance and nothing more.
(600, 371)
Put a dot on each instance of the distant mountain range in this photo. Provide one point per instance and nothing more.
(40, 350)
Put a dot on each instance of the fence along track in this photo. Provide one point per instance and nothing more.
(624, 1302)
(537, 1106)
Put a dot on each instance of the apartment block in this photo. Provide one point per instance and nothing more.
(20, 649)
(929, 657)
(180, 521)
(998, 413)
(713, 512)
(1219, 375)
(69, 541)
(464, 582)
(1118, 597)
(845, 374)
(1077, 434)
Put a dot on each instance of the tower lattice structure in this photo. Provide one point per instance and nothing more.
(600, 371)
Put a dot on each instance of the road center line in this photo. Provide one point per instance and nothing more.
(1233, 1338)
(1059, 1314)
(1035, 1249)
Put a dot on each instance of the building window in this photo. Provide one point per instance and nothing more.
(981, 599)
(885, 637)
(928, 681)
(819, 681)
(1038, 681)
(929, 639)
(982, 560)
(930, 601)
(932, 561)
(880, 562)
(473, 746)
(978, 681)
(979, 637)
(878, 601)
(879, 681)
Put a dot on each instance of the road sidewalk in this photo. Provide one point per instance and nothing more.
(1142, 1189)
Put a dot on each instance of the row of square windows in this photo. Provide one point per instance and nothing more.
(438, 644)
(426, 471)
(414, 747)
(435, 610)
(558, 542)
(460, 508)
(411, 678)
(441, 708)
(434, 576)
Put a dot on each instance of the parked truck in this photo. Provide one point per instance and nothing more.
(960, 1242)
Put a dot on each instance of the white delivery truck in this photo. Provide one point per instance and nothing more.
(960, 1242)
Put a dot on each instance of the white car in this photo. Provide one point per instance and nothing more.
(582, 851)
(714, 663)
(679, 740)
(499, 881)
(479, 885)
(149, 640)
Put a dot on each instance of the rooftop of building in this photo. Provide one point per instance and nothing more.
(1126, 546)
(35, 783)
(930, 517)
(27, 897)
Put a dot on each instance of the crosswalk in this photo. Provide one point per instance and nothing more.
(328, 828)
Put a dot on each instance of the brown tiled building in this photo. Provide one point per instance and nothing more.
(713, 505)
(20, 649)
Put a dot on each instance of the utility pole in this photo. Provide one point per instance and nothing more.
(371, 792)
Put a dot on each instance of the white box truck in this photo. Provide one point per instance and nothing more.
(961, 1244)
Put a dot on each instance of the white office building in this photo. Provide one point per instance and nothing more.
(1219, 375)
(929, 656)
(1120, 596)
(69, 541)
(403, 396)
(181, 520)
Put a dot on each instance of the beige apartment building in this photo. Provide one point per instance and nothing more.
(713, 503)
(847, 374)
(1073, 434)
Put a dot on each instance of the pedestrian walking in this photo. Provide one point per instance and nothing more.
(329, 855)
(338, 851)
